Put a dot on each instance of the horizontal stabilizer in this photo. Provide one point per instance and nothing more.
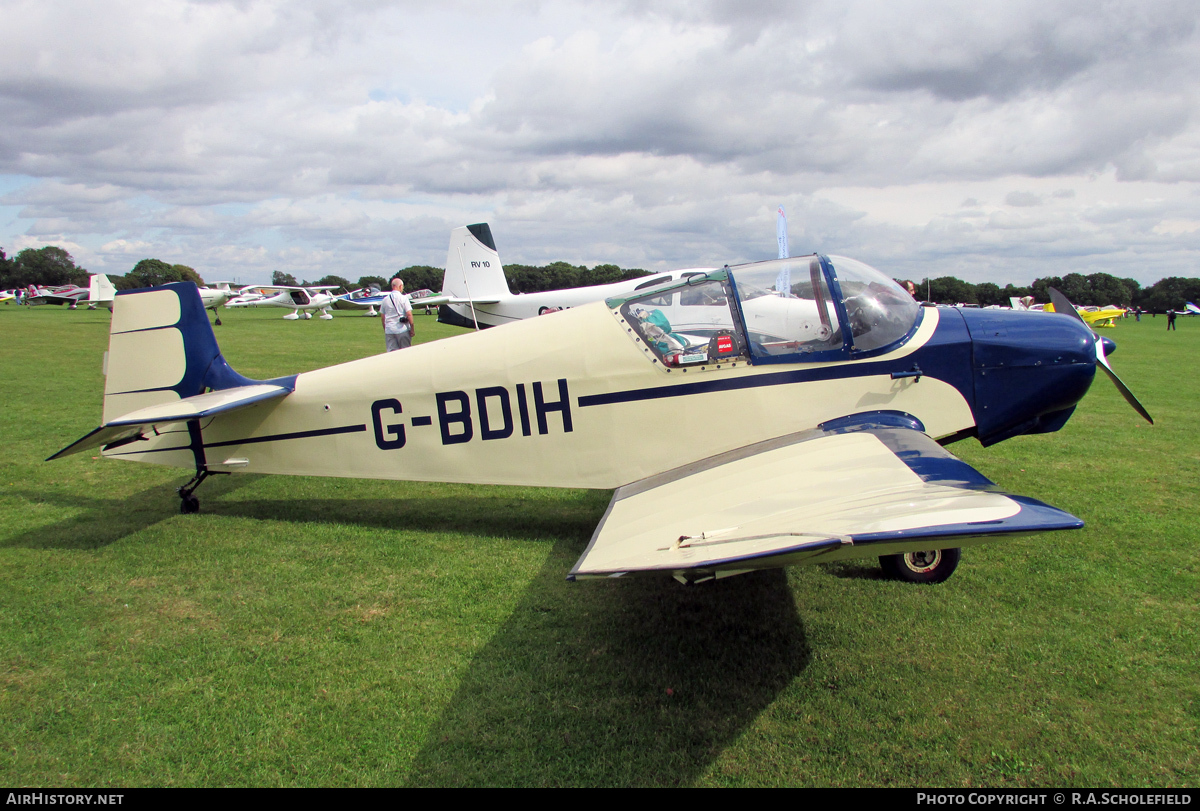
(816, 496)
(130, 427)
(431, 301)
(375, 301)
(460, 300)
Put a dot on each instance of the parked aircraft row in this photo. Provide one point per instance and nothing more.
(475, 292)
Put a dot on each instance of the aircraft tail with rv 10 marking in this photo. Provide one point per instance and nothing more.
(475, 292)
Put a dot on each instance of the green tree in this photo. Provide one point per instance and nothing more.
(950, 290)
(153, 272)
(50, 265)
(1171, 293)
(337, 281)
(1011, 291)
(186, 274)
(284, 279)
(1095, 290)
(604, 274)
(561, 275)
(418, 277)
(6, 272)
(372, 281)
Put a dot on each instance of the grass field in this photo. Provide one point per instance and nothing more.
(303, 631)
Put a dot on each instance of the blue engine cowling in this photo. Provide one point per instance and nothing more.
(1029, 370)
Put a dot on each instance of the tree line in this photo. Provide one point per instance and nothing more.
(1096, 289)
(521, 278)
(53, 266)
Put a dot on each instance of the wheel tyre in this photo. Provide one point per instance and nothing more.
(932, 566)
(189, 505)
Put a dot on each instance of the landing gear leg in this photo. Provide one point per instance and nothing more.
(188, 503)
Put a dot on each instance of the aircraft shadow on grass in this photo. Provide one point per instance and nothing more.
(102, 521)
(857, 569)
(490, 516)
(621, 682)
(626, 682)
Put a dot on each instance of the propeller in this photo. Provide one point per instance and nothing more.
(1063, 305)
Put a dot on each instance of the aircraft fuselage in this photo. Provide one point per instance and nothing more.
(573, 400)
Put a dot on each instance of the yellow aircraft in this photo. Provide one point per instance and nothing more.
(1094, 316)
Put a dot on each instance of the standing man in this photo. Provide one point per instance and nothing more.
(1171, 319)
(396, 312)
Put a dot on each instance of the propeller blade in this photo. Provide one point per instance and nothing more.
(1063, 305)
(1102, 361)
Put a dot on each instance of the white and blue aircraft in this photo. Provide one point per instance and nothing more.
(370, 298)
(362, 299)
(302, 301)
(741, 426)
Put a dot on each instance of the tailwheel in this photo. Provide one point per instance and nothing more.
(188, 503)
(930, 566)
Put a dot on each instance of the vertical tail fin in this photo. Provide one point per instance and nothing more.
(161, 348)
(473, 268)
(101, 290)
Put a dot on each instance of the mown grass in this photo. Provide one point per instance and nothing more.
(332, 632)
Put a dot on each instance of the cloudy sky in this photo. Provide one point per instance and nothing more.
(995, 141)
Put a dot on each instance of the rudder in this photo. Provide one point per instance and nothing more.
(100, 290)
(161, 348)
(473, 268)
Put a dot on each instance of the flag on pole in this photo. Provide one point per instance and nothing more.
(783, 282)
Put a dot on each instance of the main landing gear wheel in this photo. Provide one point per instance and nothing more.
(932, 566)
(189, 504)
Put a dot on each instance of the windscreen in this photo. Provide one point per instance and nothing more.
(879, 310)
(787, 307)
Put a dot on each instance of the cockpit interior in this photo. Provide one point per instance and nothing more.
(803, 309)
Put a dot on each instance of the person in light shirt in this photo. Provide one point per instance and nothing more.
(396, 312)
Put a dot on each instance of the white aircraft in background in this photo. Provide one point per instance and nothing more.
(476, 293)
(100, 292)
(245, 297)
(213, 297)
(426, 298)
(301, 300)
(68, 294)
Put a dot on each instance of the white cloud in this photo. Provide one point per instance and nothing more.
(237, 137)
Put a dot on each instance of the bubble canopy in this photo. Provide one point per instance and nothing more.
(802, 309)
